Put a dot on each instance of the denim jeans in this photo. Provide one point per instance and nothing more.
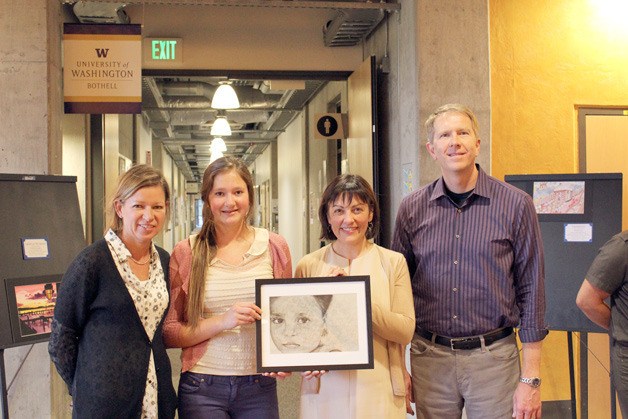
(222, 397)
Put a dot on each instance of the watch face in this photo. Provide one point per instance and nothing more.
(534, 381)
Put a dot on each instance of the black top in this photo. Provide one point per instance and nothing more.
(99, 345)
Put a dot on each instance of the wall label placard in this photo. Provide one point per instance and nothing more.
(35, 248)
(102, 68)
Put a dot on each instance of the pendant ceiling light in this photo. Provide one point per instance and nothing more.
(215, 155)
(220, 127)
(225, 97)
(217, 148)
(218, 144)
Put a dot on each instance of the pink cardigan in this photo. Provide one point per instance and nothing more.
(180, 267)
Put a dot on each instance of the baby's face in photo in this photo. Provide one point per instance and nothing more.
(296, 323)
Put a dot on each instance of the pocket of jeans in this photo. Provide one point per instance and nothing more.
(419, 347)
(503, 351)
(266, 383)
(189, 384)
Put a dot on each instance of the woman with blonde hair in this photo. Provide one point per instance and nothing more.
(106, 339)
(212, 313)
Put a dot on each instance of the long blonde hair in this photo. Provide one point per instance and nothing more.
(204, 248)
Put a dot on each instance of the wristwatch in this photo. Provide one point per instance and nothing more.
(532, 381)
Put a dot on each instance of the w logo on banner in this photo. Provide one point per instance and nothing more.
(102, 52)
(102, 71)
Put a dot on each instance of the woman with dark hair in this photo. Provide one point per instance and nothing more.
(349, 216)
(212, 312)
(106, 339)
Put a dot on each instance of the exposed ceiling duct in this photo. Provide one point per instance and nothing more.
(179, 114)
(350, 27)
(94, 12)
(199, 94)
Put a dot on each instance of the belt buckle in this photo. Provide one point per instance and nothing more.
(453, 341)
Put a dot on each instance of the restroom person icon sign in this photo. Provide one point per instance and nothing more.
(327, 126)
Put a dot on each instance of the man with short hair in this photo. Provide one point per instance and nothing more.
(474, 250)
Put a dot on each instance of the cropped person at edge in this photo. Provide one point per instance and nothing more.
(608, 277)
(474, 250)
(212, 312)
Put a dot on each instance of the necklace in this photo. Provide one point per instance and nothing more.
(140, 263)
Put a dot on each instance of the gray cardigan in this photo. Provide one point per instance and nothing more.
(99, 345)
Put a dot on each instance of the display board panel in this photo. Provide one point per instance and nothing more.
(42, 232)
(578, 213)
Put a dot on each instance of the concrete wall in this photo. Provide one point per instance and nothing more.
(394, 45)
(30, 139)
(30, 142)
(453, 66)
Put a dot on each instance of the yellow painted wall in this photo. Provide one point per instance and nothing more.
(547, 58)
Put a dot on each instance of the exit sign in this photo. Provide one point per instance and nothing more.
(163, 50)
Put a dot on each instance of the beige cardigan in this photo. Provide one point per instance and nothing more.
(396, 326)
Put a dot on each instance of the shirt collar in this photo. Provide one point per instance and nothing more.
(258, 247)
(260, 242)
(119, 248)
(481, 186)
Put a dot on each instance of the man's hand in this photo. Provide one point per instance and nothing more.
(526, 403)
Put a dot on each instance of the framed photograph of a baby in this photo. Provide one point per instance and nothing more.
(314, 324)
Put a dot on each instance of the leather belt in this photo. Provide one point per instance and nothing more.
(468, 342)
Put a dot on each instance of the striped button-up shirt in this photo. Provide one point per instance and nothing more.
(477, 267)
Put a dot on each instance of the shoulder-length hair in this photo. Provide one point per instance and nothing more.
(137, 177)
(347, 187)
(205, 246)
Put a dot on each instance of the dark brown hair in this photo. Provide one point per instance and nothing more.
(348, 186)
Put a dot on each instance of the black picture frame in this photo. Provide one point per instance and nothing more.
(31, 302)
(333, 318)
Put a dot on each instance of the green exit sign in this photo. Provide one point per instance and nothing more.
(165, 50)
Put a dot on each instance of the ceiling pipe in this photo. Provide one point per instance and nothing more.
(248, 96)
(391, 5)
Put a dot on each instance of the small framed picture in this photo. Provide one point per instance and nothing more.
(314, 324)
(31, 304)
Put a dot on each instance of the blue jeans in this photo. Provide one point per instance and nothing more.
(222, 397)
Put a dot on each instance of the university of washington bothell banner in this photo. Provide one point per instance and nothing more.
(102, 68)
